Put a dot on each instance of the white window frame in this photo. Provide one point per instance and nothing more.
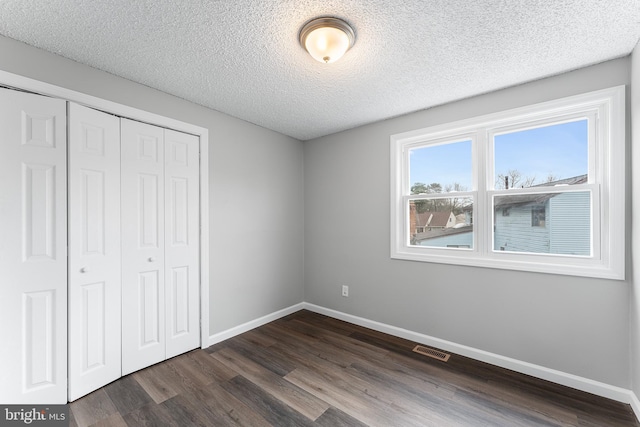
(605, 111)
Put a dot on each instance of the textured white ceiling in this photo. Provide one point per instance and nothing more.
(242, 57)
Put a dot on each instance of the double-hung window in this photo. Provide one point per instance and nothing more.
(538, 188)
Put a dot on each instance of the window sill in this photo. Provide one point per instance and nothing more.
(581, 266)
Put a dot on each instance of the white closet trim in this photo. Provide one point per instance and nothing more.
(36, 86)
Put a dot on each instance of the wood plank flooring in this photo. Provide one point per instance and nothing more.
(311, 370)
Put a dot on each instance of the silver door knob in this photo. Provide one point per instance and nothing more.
(84, 269)
(152, 259)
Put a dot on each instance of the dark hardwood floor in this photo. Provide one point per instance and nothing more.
(310, 370)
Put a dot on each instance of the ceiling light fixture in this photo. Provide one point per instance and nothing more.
(327, 39)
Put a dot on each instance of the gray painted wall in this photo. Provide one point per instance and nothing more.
(635, 167)
(256, 185)
(572, 324)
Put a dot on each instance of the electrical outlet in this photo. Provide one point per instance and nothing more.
(345, 291)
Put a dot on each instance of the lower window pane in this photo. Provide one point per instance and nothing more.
(441, 223)
(551, 223)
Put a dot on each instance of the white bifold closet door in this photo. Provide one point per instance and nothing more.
(94, 250)
(33, 241)
(182, 241)
(160, 244)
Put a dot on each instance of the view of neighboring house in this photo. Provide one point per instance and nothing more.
(440, 229)
(434, 220)
(551, 223)
(460, 236)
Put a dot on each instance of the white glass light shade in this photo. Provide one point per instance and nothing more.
(327, 39)
(327, 44)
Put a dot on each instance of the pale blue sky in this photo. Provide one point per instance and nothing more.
(444, 164)
(560, 150)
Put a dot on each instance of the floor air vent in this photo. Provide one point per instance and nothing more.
(436, 354)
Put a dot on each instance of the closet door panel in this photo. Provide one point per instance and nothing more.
(143, 280)
(94, 250)
(182, 229)
(33, 236)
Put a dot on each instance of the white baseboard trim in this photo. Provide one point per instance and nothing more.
(240, 329)
(635, 404)
(563, 378)
(580, 383)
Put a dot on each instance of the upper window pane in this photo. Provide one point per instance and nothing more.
(553, 155)
(441, 168)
